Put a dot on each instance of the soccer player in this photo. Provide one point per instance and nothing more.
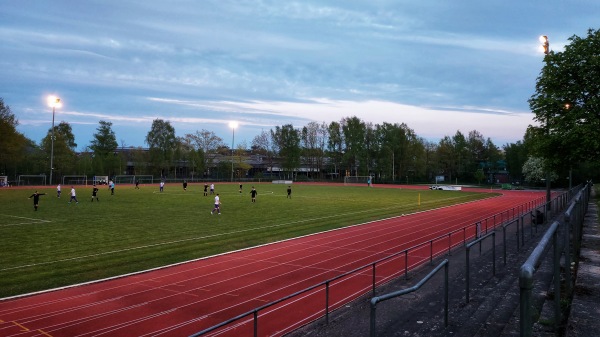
(36, 199)
(185, 185)
(162, 185)
(240, 188)
(58, 191)
(95, 193)
(73, 195)
(217, 205)
(137, 184)
(253, 194)
(212, 188)
(289, 192)
(111, 185)
(205, 189)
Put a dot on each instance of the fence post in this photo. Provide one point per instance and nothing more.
(468, 273)
(327, 302)
(526, 287)
(556, 280)
(568, 251)
(255, 323)
(374, 279)
(373, 317)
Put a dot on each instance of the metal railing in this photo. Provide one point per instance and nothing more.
(377, 299)
(437, 246)
(573, 222)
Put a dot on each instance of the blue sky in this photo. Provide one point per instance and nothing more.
(438, 66)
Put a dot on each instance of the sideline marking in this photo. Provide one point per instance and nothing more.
(31, 221)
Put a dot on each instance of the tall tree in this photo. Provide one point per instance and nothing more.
(354, 130)
(162, 142)
(64, 149)
(104, 145)
(12, 142)
(334, 146)
(263, 145)
(566, 103)
(288, 141)
(313, 143)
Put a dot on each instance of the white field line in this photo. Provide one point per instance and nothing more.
(29, 222)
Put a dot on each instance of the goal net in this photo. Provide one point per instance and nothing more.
(100, 180)
(29, 180)
(124, 179)
(145, 179)
(352, 180)
(74, 180)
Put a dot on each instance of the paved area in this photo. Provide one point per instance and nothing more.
(584, 319)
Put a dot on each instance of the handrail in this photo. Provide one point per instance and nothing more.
(467, 254)
(416, 287)
(573, 217)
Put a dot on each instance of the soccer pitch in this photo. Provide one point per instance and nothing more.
(139, 229)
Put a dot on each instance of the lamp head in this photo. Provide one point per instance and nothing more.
(545, 47)
(54, 102)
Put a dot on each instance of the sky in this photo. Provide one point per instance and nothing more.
(437, 66)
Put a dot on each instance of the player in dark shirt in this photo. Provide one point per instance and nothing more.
(205, 189)
(36, 199)
(289, 192)
(185, 185)
(253, 194)
(95, 194)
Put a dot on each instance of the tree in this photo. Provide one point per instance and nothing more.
(534, 170)
(288, 141)
(64, 149)
(566, 103)
(263, 145)
(313, 145)
(12, 143)
(104, 146)
(162, 142)
(354, 130)
(334, 145)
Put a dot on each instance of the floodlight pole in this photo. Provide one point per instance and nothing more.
(232, 125)
(52, 101)
(546, 48)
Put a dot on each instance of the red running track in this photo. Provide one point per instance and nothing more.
(184, 299)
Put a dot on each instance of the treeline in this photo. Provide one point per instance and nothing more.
(390, 152)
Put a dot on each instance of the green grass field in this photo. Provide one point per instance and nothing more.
(63, 244)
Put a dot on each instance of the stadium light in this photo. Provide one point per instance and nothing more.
(545, 47)
(53, 102)
(233, 125)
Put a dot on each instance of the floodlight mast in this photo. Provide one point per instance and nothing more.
(53, 102)
(233, 125)
(546, 49)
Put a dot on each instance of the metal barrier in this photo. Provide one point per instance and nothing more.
(573, 219)
(468, 251)
(491, 223)
(416, 287)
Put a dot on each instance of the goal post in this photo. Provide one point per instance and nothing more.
(124, 179)
(74, 180)
(144, 179)
(353, 180)
(100, 180)
(29, 180)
